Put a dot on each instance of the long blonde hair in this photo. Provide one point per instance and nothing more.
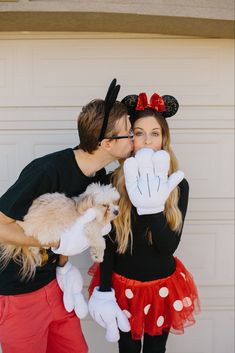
(173, 215)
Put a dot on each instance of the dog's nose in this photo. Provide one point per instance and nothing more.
(115, 212)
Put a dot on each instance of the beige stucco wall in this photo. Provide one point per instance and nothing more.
(210, 18)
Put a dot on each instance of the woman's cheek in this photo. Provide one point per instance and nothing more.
(137, 146)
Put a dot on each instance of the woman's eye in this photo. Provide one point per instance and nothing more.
(138, 133)
(155, 134)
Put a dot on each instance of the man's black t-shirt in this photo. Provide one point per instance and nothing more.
(55, 172)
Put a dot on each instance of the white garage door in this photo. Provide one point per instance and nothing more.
(44, 81)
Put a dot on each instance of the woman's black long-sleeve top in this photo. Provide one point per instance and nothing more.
(147, 261)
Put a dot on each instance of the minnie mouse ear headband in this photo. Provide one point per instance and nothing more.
(109, 101)
(166, 105)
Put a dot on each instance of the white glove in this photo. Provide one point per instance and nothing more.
(106, 312)
(70, 282)
(73, 240)
(147, 181)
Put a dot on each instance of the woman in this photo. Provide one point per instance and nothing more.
(152, 287)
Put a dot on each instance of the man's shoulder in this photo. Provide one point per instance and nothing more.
(50, 162)
(53, 157)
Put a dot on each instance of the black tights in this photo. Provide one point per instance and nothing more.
(151, 344)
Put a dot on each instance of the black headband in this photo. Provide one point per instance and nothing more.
(109, 101)
(171, 105)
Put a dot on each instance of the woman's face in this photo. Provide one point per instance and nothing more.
(147, 133)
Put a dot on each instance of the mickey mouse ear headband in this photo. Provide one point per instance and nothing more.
(109, 101)
(166, 105)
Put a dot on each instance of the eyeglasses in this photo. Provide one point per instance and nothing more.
(129, 136)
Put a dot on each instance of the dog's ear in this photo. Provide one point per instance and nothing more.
(83, 203)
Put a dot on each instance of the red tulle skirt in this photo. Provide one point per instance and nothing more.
(166, 304)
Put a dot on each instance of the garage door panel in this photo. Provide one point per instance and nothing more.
(64, 118)
(204, 158)
(63, 72)
(7, 71)
(207, 209)
(18, 148)
(51, 77)
(205, 337)
(207, 161)
(189, 71)
(8, 165)
(39, 118)
(208, 267)
(203, 117)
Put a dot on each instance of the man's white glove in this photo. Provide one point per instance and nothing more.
(70, 282)
(106, 312)
(73, 240)
(147, 181)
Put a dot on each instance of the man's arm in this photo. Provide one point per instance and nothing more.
(62, 260)
(12, 233)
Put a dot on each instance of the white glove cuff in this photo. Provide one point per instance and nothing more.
(104, 295)
(143, 211)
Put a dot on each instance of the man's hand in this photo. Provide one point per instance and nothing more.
(74, 241)
(70, 282)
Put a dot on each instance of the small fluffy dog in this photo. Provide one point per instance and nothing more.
(52, 213)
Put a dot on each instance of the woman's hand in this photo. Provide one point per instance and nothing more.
(106, 312)
(147, 181)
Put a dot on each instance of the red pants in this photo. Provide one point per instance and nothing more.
(37, 322)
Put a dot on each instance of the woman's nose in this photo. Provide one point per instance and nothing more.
(147, 140)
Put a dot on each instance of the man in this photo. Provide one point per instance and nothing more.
(32, 315)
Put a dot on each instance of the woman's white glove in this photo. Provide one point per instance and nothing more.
(73, 240)
(70, 282)
(147, 181)
(106, 312)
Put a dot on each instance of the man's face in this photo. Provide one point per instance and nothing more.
(122, 148)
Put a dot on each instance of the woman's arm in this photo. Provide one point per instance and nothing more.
(106, 267)
(166, 240)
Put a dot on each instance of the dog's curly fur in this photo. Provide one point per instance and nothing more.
(51, 214)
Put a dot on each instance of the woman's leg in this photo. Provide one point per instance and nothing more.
(155, 344)
(127, 344)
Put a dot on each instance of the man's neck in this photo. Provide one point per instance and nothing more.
(91, 163)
